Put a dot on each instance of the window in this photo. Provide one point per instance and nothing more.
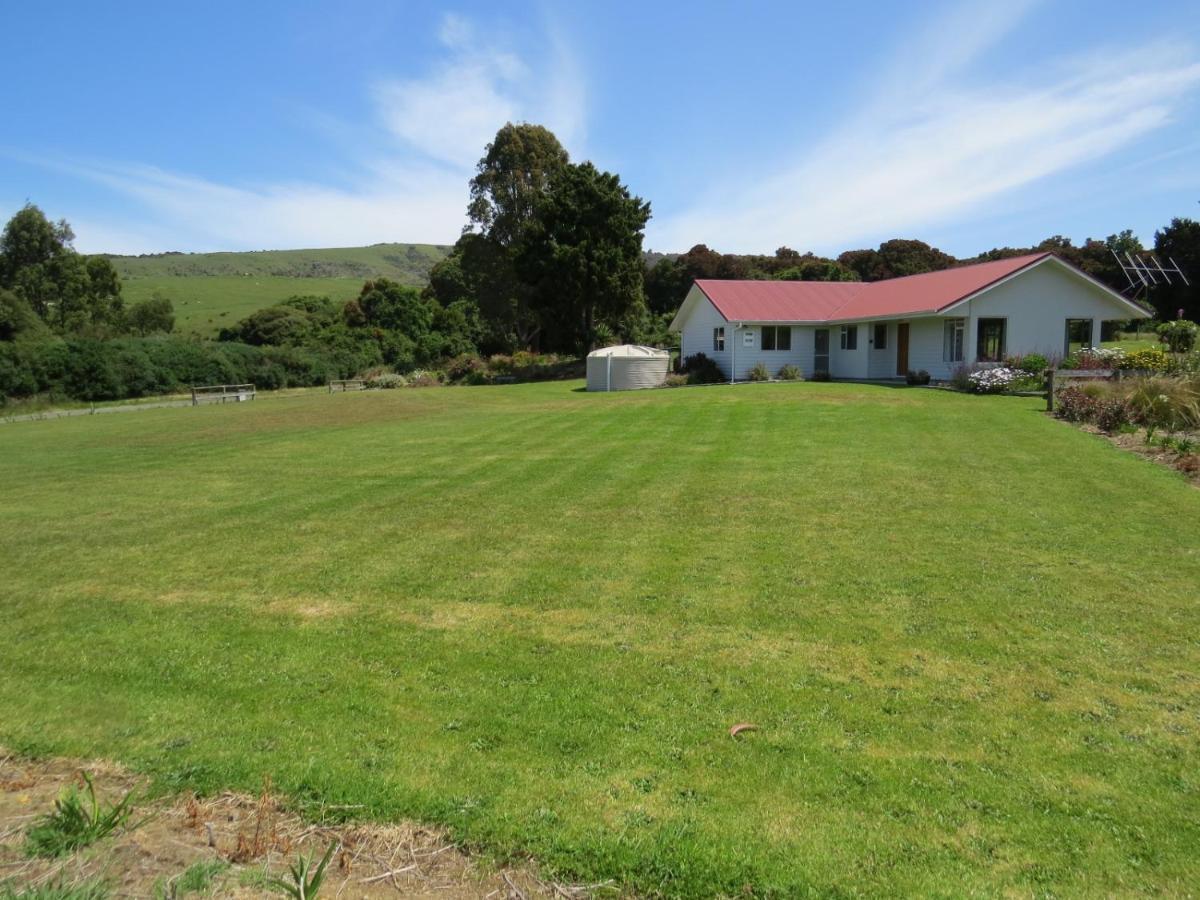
(1079, 335)
(849, 337)
(880, 341)
(953, 337)
(777, 337)
(719, 340)
(991, 340)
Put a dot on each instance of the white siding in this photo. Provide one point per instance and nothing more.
(747, 357)
(696, 335)
(849, 363)
(925, 349)
(881, 363)
(1037, 304)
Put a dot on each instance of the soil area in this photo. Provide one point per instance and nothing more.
(231, 845)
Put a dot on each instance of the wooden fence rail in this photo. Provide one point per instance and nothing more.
(222, 393)
(341, 385)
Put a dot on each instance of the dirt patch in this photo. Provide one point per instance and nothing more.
(242, 841)
(1188, 464)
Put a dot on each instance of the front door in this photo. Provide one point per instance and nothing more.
(821, 351)
(902, 348)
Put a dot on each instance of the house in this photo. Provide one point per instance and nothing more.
(938, 321)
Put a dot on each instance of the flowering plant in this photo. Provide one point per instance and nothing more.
(1094, 358)
(992, 381)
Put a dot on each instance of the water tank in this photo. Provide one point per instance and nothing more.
(626, 368)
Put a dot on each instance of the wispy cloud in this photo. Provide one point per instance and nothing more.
(932, 144)
(437, 123)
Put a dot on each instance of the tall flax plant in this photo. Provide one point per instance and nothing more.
(1171, 403)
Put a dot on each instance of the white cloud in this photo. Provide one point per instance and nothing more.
(451, 113)
(415, 192)
(931, 145)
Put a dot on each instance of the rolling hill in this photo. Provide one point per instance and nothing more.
(211, 290)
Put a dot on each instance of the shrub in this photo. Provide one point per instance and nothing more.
(424, 378)
(464, 367)
(384, 381)
(960, 378)
(674, 379)
(992, 381)
(1093, 358)
(789, 372)
(700, 369)
(1179, 335)
(1160, 402)
(820, 376)
(1111, 413)
(1030, 363)
(1074, 405)
(918, 377)
(759, 372)
(1147, 359)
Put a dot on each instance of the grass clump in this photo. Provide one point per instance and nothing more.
(303, 882)
(92, 889)
(198, 878)
(77, 821)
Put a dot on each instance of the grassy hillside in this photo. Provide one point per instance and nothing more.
(965, 631)
(211, 290)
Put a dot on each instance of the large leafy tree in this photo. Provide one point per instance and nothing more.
(511, 179)
(70, 292)
(583, 255)
(1179, 241)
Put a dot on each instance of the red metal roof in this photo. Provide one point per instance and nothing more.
(825, 301)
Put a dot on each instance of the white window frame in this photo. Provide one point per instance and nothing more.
(719, 339)
(954, 331)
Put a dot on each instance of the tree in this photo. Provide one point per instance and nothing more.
(584, 258)
(510, 180)
(17, 319)
(151, 316)
(1179, 241)
(30, 239)
(74, 294)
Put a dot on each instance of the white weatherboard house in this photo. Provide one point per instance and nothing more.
(883, 329)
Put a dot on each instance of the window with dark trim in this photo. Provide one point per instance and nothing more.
(1079, 335)
(990, 346)
(719, 339)
(849, 337)
(777, 337)
(953, 338)
(880, 341)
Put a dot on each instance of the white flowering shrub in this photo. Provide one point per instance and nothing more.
(993, 381)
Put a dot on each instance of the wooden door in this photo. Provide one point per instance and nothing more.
(902, 348)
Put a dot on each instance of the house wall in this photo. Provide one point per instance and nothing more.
(925, 348)
(850, 363)
(881, 363)
(696, 334)
(747, 357)
(1037, 304)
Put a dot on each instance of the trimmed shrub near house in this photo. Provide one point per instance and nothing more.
(1145, 359)
(820, 376)
(700, 369)
(1179, 335)
(1030, 363)
(759, 372)
(789, 373)
(918, 377)
(992, 381)
(674, 379)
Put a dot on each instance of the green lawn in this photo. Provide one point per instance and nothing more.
(213, 290)
(969, 634)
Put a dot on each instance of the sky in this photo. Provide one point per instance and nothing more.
(748, 126)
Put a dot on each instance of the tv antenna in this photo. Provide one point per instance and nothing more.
(1145, 271)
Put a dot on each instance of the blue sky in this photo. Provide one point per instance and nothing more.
(231, 126)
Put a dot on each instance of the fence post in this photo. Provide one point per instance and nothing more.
(1049, 390)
